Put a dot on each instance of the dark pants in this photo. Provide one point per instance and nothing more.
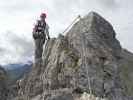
(39, 48)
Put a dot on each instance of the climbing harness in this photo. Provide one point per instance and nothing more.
(38, 31)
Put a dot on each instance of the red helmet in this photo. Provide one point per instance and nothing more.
(43, 15)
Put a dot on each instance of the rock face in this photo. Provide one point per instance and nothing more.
(126, 71)
(86, 59)
(3, 84)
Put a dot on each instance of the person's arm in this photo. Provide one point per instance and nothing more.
(34, 32)
(47, 31)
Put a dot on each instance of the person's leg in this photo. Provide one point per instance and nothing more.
(38, 49)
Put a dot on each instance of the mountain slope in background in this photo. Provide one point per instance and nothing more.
(17, 71)
(9, 76)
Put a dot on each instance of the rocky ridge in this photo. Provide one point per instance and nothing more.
(86, 60)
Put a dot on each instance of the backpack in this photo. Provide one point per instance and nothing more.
(39, 30)
(40, 26)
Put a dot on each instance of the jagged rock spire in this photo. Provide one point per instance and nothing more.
(95, 23)
(85, 60)
(97, 31)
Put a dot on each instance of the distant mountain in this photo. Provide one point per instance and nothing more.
(17, 71)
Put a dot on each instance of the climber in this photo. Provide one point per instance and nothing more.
(40, 34)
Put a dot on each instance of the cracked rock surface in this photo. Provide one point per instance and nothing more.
(86, 59)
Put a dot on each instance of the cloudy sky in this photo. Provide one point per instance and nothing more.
(17, 18)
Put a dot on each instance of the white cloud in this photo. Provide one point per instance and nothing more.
(18, 16)
(15, 48)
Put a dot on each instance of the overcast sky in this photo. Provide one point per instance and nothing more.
(17, 18)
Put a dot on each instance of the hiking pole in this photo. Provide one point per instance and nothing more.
(72, 23)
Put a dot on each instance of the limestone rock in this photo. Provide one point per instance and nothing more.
(86, 59)
(126, 71)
